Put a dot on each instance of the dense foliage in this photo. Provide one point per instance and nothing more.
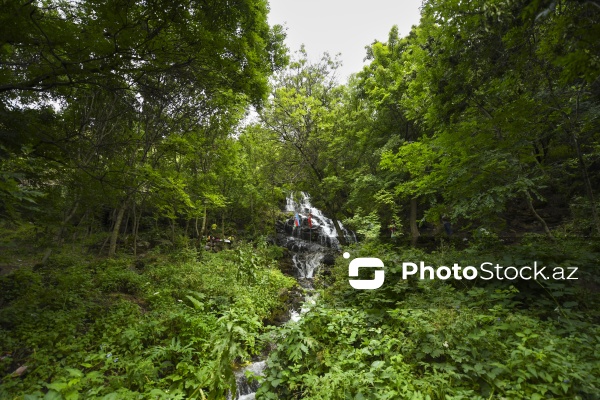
(117, 114)
(159, 327)
(434, 339)
(471, 133)
(126, 139)
(486, 113)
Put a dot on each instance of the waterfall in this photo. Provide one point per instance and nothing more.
(312, 240)
(319, 229)
(306, 264)
(310, 235)
(245, 389)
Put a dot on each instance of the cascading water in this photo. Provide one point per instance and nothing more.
(310, 236)
(245, 389)
(314, 226)
(312, 240)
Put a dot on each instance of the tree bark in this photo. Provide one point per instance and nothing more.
(414, 229)
(252, 213)
(66, 220)
(115, 232)
(339, 232)
(134, 229)
(537, 216)
(204, 223)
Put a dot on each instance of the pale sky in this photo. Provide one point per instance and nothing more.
(344, 27)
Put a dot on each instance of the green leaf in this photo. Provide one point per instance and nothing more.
(58, 386)
(75, 372)
(53, 395)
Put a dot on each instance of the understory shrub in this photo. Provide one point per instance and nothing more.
(454, 339)
(162, 327)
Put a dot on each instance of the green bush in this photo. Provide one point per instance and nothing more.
(450, 339)
(130, 329)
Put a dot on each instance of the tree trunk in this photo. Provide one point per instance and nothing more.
(90, 227)
(66, 220)
(414, 229)
(112, 225)
(204, 223)
(136, 222)
(115, 232)
(252, 213)
(126, 223)
(339, 232)
(537, 216)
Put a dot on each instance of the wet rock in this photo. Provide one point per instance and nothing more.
(328, 259)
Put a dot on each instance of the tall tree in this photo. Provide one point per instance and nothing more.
(109, 87)
(301, 116)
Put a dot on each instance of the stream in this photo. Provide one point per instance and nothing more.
(312, 241)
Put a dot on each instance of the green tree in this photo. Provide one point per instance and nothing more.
(114, 95)
(302, 117)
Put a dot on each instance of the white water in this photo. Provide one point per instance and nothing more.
(245, 389)
(310, 301)
(309, 245)
(306, 264)
(323, 228)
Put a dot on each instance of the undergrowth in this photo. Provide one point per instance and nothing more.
(162, 327)
(436, 339)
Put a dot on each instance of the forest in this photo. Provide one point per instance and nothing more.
(147, 149)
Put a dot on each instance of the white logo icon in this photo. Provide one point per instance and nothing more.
(366, 263)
